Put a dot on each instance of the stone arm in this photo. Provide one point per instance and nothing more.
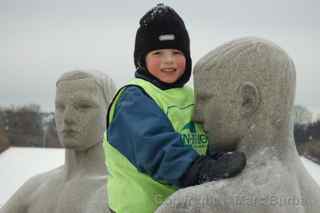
(259, 190)
(20, 201)
(197, 200)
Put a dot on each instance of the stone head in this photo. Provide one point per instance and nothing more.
(241, 84)
(82, 99)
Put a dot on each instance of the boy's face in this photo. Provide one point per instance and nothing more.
(168, 65)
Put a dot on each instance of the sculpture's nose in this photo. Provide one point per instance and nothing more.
(197, 115)
(69, 115)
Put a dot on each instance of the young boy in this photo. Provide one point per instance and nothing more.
(153, 147)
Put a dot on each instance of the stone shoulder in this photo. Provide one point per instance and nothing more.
(21, 199)
(270, 187)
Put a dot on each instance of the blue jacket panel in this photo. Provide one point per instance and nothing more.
(145, 136)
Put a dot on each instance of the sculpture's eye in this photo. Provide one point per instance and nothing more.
(83, 106)
(203, 97)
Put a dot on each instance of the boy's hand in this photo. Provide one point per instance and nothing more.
(211, 168)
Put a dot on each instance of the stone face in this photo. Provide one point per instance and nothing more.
(244, 98)
(78, 186)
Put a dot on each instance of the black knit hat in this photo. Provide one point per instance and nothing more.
(162, 28)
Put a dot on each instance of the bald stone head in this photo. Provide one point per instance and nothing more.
(82, 99)
(241, 84)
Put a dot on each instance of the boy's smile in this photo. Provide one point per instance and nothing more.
(168, 65)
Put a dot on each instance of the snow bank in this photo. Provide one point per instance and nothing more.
(19, 164)
(313, 169)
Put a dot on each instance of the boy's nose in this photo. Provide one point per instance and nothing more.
(168, 58)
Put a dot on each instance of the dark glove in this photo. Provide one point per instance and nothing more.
(211, 168)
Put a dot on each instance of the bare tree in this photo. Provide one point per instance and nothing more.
(23, 125)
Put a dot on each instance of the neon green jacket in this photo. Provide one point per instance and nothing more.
(133, 185)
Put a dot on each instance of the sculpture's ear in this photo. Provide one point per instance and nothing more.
(250, 98)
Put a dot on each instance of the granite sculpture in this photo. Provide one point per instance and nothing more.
(78, 186)
(245, 92)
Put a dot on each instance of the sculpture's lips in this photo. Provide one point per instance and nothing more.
(69, 132)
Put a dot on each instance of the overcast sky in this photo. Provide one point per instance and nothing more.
(41, 39)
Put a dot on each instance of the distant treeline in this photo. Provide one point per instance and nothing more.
(29, 126)
(307, 138)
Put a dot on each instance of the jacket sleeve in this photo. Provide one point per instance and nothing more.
(144, 135)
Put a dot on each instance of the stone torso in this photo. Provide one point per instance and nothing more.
(55, 195)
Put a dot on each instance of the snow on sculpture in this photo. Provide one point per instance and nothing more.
(244, 97)
(78, 186)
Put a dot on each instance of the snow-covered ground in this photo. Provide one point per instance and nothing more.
(313, 169)
(19, 164)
